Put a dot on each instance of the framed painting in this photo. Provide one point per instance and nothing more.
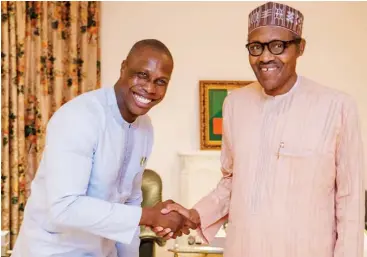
(212, 94)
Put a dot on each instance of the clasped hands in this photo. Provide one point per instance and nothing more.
(173, 220)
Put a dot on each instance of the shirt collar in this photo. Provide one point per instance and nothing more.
(112, 102)
(290, 92)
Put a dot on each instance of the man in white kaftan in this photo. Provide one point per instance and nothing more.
(85, 198)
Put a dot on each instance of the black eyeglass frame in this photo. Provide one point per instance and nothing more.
(286, 44)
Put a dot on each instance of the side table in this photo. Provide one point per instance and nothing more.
(197, 251)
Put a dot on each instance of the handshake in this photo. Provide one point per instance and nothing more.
(169, 219)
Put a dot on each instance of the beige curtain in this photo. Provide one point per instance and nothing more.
(49, 55)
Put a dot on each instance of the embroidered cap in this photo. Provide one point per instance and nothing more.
(275, 14)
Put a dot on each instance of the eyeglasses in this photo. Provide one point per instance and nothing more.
(275, 47)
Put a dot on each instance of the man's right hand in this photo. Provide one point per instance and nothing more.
(192, 220)
(153, 217)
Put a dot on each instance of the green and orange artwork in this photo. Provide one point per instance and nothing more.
(212, 95)
(216, 99)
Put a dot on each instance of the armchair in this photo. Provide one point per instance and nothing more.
(152, 194)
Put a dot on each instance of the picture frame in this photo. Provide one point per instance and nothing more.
(212, 94)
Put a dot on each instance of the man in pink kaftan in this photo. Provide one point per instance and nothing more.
(291, 156)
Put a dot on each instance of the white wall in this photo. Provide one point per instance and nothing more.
(207, 40)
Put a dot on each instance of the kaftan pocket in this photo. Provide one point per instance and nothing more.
(308, 168)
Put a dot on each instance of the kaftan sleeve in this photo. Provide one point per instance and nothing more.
(349, 186)
(129, 250)
(72, 136)
(213, 208)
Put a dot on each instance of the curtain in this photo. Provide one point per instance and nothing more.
(49, 55)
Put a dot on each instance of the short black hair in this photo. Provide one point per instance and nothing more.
(295, 36)
(152, 43)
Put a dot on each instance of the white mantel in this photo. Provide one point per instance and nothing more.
(199, 175)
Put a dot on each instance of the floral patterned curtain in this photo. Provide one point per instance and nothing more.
(49, 55)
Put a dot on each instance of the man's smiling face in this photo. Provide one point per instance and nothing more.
(144, 78)
(275, 73)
